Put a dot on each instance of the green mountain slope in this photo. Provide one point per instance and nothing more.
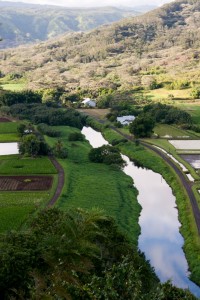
(22, 23)
(162, 44)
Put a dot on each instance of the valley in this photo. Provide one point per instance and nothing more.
(76, 183)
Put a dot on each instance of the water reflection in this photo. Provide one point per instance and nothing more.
(8, 148)
(192, 159)
(95, 138)
(160, 239)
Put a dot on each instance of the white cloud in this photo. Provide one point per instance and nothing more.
(90, 3)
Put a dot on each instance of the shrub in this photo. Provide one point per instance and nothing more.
(76, 136)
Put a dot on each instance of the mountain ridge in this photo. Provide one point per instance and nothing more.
(21, 24)
(120, 55)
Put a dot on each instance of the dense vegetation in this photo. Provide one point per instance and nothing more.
(70, 255)
(106, 154)
(49, 115)
(158, 49)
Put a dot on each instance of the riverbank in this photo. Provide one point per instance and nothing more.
(149, 159)
(188, 229)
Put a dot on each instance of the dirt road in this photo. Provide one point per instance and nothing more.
(61, 180)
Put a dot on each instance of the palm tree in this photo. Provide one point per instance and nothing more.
(68, 242)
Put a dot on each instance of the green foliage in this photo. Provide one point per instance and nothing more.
(104, 101)
(178, 85)
(70, 255)
(142, 126)
(48, 130)
(106, 154)
(42, 113)
(31, 145)
(167, 114)
(76, 136)
(195, 93)
(59, 150)
(8, 98)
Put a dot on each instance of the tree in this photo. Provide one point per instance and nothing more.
(29, 145)
(142, 126)
(77, 254)
(195, 93)
(106, 154)
(59, 150)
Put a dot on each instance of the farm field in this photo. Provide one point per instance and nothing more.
(193, 109)
(17, 165)
(8, 131)
(89, 185)
(166, 131)
(17, 206)
(186, 145)
(93, 112)
(25, 183)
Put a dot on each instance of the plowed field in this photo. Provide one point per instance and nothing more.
(25, 183)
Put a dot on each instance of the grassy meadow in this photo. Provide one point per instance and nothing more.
(89, 185)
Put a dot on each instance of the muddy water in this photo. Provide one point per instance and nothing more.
(160, 239)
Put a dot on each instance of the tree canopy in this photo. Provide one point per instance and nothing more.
(77, 254)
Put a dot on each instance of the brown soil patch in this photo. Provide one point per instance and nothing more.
(2, 120)
(25, 183)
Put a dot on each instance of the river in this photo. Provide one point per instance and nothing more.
(160, 238)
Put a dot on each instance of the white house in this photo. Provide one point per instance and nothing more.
(88, 102)
(125, 120)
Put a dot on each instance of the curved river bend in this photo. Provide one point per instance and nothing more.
(160, 239)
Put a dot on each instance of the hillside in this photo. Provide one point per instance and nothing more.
(161, 45)
(25, 23)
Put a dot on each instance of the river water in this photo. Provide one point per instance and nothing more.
(160, 239)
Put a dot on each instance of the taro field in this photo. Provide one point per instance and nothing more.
(31, 182)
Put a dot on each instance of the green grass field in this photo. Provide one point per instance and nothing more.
(16, 165)
(90, 185)
(17, 207)
(193, 109)
(164, 130)
(8, 132)
(8, 127)
(14, 87)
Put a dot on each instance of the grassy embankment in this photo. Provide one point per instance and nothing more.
(89, 185)
(17, 206)
(189, 230)
(8, 132)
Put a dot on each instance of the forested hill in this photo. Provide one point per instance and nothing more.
(165, 41)
(24, 23)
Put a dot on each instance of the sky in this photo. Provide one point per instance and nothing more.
(93, 3)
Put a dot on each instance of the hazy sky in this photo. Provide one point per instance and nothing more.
(92, 3)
